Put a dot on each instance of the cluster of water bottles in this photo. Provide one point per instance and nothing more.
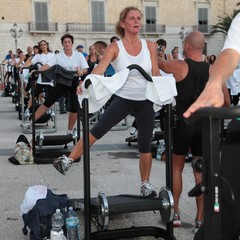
(72, 225)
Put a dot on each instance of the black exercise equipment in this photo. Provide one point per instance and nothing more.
(220, 170)
(47, 154)
(104, 206)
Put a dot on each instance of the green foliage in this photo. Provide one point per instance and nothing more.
(224, 22)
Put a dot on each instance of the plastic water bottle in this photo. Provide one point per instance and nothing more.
(57, 222)
(73, 225)
(159, 152)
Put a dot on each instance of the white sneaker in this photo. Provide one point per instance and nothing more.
(147, 190)
(198, 225)
(177, 220)
(26, 125)
(62, 164)
(133, 131)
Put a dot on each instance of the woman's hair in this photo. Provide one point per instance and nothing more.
(67, 36)
(211, 61)
(118, 29)
(39, 46)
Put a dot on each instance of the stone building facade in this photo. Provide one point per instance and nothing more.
(94, 20)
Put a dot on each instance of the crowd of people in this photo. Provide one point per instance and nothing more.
(200, 81)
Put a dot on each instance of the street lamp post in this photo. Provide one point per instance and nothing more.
(182, 33)
(16, 33)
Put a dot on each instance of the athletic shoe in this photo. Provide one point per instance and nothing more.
(133, 131)
(147, 190)
(198, 224)
(27, 113)
(62, 164)
(26, 125)
(177, 220)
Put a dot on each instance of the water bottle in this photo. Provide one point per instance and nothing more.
(159, 152)
(73, 225)
(57, 222)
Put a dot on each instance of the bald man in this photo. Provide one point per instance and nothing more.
(191, 76)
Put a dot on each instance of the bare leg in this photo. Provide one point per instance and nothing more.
(72, 118)
(78, 149)
(199, 199)
(40, 111)
(145, 165)
(178, 165)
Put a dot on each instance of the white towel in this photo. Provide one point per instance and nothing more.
(161, 91)
(102, 88)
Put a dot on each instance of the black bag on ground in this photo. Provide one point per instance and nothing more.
(38, 219)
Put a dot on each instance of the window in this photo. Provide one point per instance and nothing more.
(98, 16)
(203, 19)
(150, 19)
(41, 16)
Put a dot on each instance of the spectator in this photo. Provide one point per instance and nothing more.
(162, 45)
(29, 53)
(92, 59)
(212, 59)
(80, 49)
(175, 54)
(114, 39)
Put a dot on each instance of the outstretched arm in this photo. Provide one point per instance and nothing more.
(222, 69)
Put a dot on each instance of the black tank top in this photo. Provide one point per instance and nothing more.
(192, 85)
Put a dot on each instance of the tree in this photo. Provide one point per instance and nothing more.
(224, 22)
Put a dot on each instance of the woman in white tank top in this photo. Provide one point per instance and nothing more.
(131, 97)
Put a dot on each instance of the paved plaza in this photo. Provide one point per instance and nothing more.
(114, 170)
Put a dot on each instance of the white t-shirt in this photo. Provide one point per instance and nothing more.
(233, 37)
(43, 59)
(74, 62)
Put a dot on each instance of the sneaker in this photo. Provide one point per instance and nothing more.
(147, 190)
(177, 220)
(133, 131)
(69, 131)
(198, 224)
(26, 125)
(62, 164)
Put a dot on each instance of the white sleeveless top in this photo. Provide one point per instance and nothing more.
(135, 86)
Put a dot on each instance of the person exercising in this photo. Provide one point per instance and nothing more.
(130, 98)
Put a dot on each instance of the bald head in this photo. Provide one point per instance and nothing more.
(196, 40)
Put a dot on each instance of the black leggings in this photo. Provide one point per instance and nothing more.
(59, 90)
(118, 110)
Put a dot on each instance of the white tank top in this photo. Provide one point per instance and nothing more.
(135, 86)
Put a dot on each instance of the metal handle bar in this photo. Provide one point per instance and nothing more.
(130, 67)
(34, 66)
(215, 112)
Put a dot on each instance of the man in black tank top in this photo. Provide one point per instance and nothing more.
(191, 76)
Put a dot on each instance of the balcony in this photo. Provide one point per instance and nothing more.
(206, 29)
(110, 28)
(42, 27)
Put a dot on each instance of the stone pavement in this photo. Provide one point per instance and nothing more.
(114, 170)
